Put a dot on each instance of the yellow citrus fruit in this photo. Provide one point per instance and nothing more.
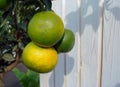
(3, 4)
(67, 42)
(45, 28)
(41, 60)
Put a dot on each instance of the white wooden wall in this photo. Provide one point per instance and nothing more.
(95, 58)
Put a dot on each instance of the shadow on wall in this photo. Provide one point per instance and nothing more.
(78, 21)
(118, 85)
(113, 8)
(60, 72)
(86, 15)
(89, 15)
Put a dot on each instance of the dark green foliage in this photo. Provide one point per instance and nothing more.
(28, 79)
(13, 27)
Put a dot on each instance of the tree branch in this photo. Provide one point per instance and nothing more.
(10, 67)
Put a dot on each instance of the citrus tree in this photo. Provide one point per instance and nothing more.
(28, 29)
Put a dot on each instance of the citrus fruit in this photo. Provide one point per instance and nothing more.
(67, 42)
(3, 4)
(45, 28)
(41, 60)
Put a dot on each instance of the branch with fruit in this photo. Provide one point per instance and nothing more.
(31, 32)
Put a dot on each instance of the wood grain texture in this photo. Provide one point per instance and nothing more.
(100, 43)
(111, 42)
(72, 58)
(47, 80)
(89, 42)
(59, 80)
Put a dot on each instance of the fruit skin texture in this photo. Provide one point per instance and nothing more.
(45, 28)
(66, 43)
(41, 60)
(3, 4)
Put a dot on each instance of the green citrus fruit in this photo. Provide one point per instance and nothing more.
(3, 4)
(41, 60)
(45, 28)
(67, 42)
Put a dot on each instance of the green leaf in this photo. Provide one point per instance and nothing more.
(18, 73)
(21, 77)
(28, 79)
(22, 26)
(8, 57)
(48, 4)
(33, 78)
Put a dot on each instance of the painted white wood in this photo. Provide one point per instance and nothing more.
(59, 80)
(100, 42)
(47, 80)
(89, 42)
(111, 44)
(59, 72)
(72, 22)
(94, 60)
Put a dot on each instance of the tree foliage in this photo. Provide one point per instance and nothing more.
(13, 27)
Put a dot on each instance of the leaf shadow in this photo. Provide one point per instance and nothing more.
(112, 8)
(86, 15)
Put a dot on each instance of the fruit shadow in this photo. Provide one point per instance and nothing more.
(86, 15)
(64, 67)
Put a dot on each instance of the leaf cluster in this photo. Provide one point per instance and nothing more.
(13, 26)
(28, 79)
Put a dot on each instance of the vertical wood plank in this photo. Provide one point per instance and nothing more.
(59, 80)
(111, 42)
(59, 72)
(89, 42)
(72, 58)
(100, 42)
(47, 80)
